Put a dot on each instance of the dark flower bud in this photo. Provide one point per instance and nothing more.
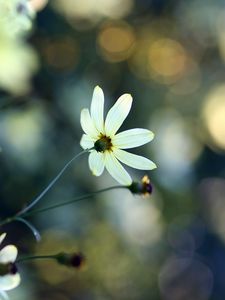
(141, 188)
(75, 260)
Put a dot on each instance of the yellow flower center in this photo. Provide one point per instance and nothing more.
(103, 144)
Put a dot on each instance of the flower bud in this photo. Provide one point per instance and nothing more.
(75, 260)
(141, 188)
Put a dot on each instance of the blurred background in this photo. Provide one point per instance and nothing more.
(170, 56)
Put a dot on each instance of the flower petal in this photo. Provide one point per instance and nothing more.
(96, 162)
(117, 114)
(86, 142)
(132, 138)
(133, 160)
(4, 295)
(116, 170)
(2, 236)
(87, 124)
(10, 281)
(97, 109)
(8, 254)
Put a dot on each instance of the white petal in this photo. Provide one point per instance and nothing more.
(8, 282)
(2, 236)
(116, 170)
(96, 162)
(132, 138)
(86, 142)
(133, 160)
(117, 114)
(97, 109)
(8, 254)
(4, 295)
(87, 124)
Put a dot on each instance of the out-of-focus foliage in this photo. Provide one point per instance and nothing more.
(170, 56)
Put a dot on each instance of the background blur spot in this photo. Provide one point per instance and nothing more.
(212, 199)
(177, 148)
(23, 134)
(61, 54)
(185, 279)
(83, 14)
(214, 116)
(116, 41)
(38, 5)
(167, 60)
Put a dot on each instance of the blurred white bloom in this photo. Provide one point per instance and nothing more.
(18, 62)
(16, 15)
(9, 277)
(107, 144)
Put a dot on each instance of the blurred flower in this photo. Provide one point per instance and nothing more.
(38, 5)
(105, 145)
(84, 13)
(25, 127)
(16, 15)
(75, 260)
(9, 277)
(141, 188)
(18, 62)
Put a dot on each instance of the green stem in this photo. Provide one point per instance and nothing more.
(42, 194)
(27, 258)
(77, 199)
(8, 220)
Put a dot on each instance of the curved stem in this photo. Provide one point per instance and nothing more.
(31, 227)
(38, 198)
(77, 199)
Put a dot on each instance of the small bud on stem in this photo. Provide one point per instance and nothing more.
(141, 188)
(75, 260)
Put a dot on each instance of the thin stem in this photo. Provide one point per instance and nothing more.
(77, 199)
(38, 198)
(27, 258)
(8, 220)
(31, 227)
(27, 223)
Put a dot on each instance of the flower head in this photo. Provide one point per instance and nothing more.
(16, 15)
(143, 188)
(9, 277)
(18, 61)
(106, 145)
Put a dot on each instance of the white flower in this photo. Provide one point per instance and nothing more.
(18, 62)
(106, 146)
(9, 277)
(16, 15)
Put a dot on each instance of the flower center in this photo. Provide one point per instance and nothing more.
(9, 268)
(103, 144)
(21, 8)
